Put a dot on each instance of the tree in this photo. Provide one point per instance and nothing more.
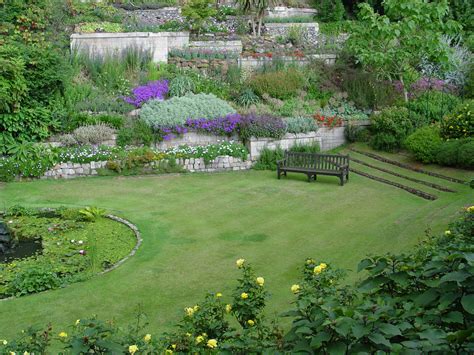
(395, 44)
(197, 12)
(330, 10)
(256, 10)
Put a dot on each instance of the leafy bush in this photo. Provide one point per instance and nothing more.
(456, 153)
(268, 159)
(177, 110)
(433, 105)
(424, 143)
(356, 133)
(105, 26)
(156, 90)
(330, 10)
(460, 123)
(261, 126)
(135, 132)
(301, 124)
(33, 279)
(103, 103)
(279, 84)
(93, 134)
(13, 85)
(181, 85)
(82, 119)
(306, 148)
(390, 128)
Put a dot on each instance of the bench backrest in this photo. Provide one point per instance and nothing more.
(315, 161)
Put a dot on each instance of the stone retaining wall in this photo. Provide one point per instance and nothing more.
(335, 137)
(256, 145)
(253, 63)
(285, 12)
(223, 163)
(310, 31)
(217, 46)
(203, 65)
(114, 44)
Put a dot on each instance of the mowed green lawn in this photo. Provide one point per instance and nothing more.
(195, 226)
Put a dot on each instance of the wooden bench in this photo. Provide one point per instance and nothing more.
(313, 164)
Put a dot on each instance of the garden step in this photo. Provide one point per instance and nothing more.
(403, 176)
(407, 166)
(411, 190)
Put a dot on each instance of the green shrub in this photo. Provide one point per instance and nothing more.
(330, 10)
(82, 119)
(460, 123)
(268, 159)
(177, 110)
(390, 128)
(13, 85)
(278, 84)
(356, 133)
(466, 154)
(306, 148)
(135, 132)
(102, 103)
(93, 134)
(447, 153)
(33, 279)
(424, 143)
(247, 97)
(181, 85)
(301, 124)
(433, 105)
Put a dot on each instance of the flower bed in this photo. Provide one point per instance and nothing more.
(76, 244)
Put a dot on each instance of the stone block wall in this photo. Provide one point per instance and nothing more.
(334, 137)
(234, 47)
(285, 12)
(193, 139)
(71, 170)
(310, 30)
(203, 65)
(256, 145)
(114, 44)
(251, 63)
(223, 163)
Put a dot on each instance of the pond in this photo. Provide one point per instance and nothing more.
(10, 250)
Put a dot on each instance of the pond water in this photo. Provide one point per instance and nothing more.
(21, 250)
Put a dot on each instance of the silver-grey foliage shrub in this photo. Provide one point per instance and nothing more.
(177, 110)
(93, 134)
(301, 124)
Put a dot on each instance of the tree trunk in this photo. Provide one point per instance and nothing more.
(405, 92)
(259, 27)
(252, 22)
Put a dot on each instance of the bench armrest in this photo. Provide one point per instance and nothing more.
(280, 162)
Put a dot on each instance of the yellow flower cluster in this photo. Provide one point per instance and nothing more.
(228, 308)
(218, 295)
(251, 322)
(147, 338)
(212, 343)
(63, 335)
(244, 295)
(132, 349)
(260, 281)
(191, 310)
(470, 209)
(240, 263)
(320, 268)
(447, 233)
(199, 339)
(295, 288)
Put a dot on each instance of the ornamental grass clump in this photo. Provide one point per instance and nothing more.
(93, 134)
(177, 110)
(154, 90)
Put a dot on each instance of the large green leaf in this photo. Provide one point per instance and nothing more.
(468, 303)
(379, 339)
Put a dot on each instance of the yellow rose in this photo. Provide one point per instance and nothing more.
(212, 343)
(189, 311)
(26, 353)
(260, 281)
(78, 321)
(173, 346)
(244, 295)
(195, 308)
(4, 342)
(240, 263)
(12, 353)
(309, 261)
(147, 338)
(470, 209)
(295, 288)
(188, 334)
(228, 308)
(447, 233)
(250, 322)
(199, 339)
(218, 294)
(63, 335)
(132, 349)
(169, 352)
(318, 269)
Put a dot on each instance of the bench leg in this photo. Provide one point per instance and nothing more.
(342, 180)
(278, 173)
(315, 177)
(309, 177)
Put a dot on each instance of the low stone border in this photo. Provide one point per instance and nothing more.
(138, 236)
(423, 182)
(406, 166)
(135, 231)
(411, 190)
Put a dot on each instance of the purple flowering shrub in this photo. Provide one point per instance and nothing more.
(222, 126)
(152, 90)
(253, 125)
(425, 84)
